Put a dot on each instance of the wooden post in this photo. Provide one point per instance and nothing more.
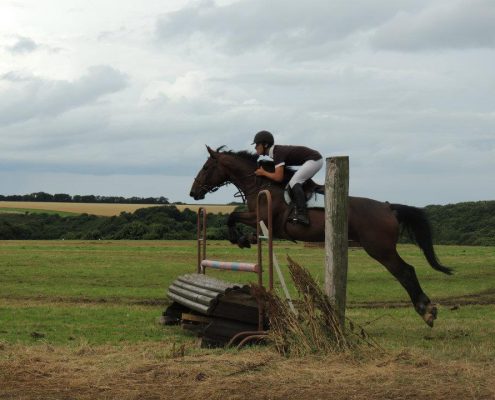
(336, 232)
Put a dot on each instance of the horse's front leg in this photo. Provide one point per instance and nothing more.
(247, 218)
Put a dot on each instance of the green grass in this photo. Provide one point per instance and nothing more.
(69, 323)
(468, 332)
(105, 292)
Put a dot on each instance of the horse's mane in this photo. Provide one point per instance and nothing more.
(244, 154)
(253, 158)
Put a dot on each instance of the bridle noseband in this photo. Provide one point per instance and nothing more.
(213, 189)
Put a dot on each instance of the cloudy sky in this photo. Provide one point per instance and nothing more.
(119, 98)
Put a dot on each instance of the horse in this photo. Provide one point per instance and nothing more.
(374, 225)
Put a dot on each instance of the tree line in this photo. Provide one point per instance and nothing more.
(471, 223)
(152, 223)
(67, 198)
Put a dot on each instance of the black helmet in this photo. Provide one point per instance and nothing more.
(264, 137)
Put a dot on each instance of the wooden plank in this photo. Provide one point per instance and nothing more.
(189, 303)
(190, 295)
(195, 318)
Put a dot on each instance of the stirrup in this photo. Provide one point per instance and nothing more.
(303, 220)
(299, 218)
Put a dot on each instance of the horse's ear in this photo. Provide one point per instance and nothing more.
(213, 153)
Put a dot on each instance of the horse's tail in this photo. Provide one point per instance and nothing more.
(415, 221)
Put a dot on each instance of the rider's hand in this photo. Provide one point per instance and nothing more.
(259, 172)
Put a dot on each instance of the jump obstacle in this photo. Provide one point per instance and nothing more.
(221, 312)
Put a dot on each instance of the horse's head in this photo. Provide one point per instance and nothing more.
(210, 177)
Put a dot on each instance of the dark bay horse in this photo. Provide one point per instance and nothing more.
(374, 225)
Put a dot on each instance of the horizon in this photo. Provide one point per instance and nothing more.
(202, 202)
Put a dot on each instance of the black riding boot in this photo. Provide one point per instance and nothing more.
(300, 212)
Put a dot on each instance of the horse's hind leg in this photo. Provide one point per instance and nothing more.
(406, 275)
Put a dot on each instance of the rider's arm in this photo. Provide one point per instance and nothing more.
(277, 175)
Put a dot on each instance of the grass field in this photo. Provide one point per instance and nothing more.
(78, 320)
(96, 208)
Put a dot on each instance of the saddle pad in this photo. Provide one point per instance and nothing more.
(316, 200)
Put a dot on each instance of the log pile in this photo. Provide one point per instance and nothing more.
(214, 309)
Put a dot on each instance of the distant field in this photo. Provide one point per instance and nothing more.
(98, 208)
(211, 208)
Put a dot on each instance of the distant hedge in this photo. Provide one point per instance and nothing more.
(67, 198)
(470, 223)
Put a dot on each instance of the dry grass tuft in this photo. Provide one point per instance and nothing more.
(316, 328)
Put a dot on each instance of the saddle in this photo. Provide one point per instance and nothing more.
(315, 194)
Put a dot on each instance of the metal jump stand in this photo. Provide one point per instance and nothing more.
(257, 268)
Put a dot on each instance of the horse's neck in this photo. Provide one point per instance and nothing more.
(242, 175)
(251, 185)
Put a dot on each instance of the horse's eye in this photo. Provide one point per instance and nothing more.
(205, 168)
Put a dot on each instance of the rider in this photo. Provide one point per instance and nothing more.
(309, 160)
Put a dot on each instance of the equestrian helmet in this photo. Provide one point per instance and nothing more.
(264, 137)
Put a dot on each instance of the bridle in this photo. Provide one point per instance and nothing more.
(212, 189)
(240, 193)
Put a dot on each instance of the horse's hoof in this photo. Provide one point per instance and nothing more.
(244, 243)
(233, 238)
(430, 315)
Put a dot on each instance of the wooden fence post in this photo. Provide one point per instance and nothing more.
(336, 232)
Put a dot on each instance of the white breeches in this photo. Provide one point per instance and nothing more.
(306, 171)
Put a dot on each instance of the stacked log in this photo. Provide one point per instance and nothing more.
(216, 310)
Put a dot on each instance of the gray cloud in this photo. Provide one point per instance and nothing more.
(23, 45)
(448, 24)
(36, 97)
(318, 29)
(288, 28)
